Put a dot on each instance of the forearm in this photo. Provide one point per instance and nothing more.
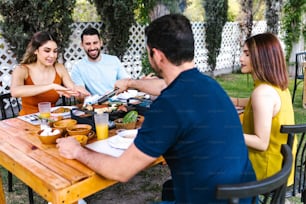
(149, 86)
(105, 165)
(30, 90)
(255, 142)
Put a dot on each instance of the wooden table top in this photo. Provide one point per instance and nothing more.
(56, 179)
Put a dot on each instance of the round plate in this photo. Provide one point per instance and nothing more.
(64, 114)
(119, 142)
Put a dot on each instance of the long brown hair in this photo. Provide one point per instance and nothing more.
(38, 39)
(268, 60)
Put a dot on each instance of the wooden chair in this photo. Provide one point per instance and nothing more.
(300, 157)
(300, 59)
(273, 189)
(10, 108)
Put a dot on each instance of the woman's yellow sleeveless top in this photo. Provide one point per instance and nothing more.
(266, 163)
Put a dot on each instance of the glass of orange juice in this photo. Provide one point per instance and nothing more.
(44, 109)
(101, 123)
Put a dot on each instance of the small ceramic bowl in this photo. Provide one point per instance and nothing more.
(50, 137)
(130, 134)
(82, 139)
(79, 129)
(63, 124)
(121, 125)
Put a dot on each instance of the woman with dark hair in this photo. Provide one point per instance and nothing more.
(39, 77)
(269, 106)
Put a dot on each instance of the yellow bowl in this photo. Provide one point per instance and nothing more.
(79, 129)
(82, 139)
(63, 124)
(50, 139)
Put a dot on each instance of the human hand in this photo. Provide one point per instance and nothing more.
(122, 85)
(82, 92)
(61, 90)
(68, 147)
(149, 76)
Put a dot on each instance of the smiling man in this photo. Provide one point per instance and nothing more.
(192, 124)
(97, 72)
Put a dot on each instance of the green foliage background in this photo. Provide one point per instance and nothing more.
(118, 17)
(292, 23)
(22, 18)
(216, 17)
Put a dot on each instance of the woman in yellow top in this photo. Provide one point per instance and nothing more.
(269, 106)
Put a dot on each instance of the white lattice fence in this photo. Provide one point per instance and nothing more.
(227, 61)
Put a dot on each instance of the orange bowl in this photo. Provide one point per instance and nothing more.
(63, 124)
(82, 139)
(49, 138)
(79, 129)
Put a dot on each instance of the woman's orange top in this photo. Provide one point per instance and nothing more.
(30, 103)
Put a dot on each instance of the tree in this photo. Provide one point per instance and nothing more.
(247, 17)
(273, 12)
(292, 23)
(84, 11)
(216, 17)
(147, 11)
(22, 18)
(118, 17)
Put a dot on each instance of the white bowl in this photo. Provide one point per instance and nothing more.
(128, 133)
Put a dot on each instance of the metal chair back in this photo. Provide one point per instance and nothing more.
(300, 60)
(273, 188)
(299, 131)
(9, 106)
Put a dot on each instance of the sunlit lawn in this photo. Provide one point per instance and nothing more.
(241, 85)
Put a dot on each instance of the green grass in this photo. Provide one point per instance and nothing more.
(241, 85)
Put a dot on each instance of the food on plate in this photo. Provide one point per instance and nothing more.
(61, 110)
(106, 107)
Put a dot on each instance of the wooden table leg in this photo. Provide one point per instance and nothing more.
(2, 195)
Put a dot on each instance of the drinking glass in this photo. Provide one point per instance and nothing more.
(101, 123)
(44, 109)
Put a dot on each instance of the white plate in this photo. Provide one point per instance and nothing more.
(65, 114)
(130, 134)
(120, 142)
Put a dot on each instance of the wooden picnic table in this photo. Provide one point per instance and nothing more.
(54, 178)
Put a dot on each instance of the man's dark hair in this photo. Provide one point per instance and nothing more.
(90, 31)
(172, 34)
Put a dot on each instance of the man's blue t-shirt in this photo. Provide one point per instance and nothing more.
(195, 126)
(98, 77)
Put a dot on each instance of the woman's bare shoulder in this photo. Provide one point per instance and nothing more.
(21, 68)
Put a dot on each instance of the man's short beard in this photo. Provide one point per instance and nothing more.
(93, 58)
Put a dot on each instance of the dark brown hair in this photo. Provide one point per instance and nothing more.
(38, 39)
(268, 60)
